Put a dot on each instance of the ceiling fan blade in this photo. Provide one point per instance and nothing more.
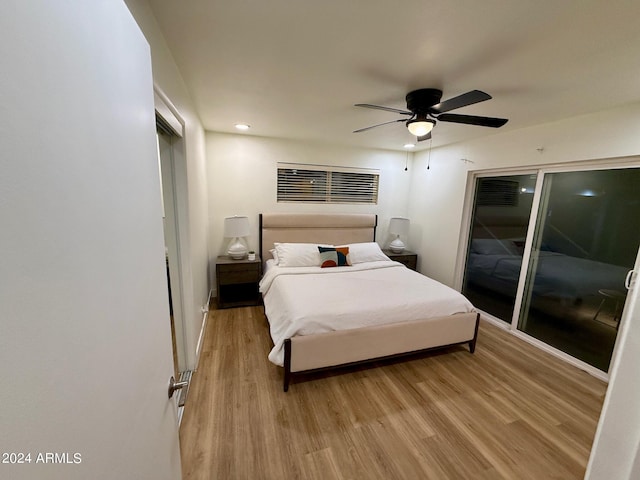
(469, 98)
(424, 137)
(379, 125)
(379, 107)
(473, 120)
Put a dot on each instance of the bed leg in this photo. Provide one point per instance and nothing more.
(287, 364)
(472, 343)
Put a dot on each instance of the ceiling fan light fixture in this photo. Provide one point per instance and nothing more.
(420, 126)
(425, 109)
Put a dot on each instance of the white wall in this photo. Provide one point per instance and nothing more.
(243, 174)
(436, 209)
(167, 78)
(436, 200)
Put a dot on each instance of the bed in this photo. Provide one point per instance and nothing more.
(375, 308)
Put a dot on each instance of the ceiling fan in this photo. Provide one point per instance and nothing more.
(424, 108)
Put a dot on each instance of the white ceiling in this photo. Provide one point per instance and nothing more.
(294, 68)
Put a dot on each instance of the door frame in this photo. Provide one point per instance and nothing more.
(179, 263)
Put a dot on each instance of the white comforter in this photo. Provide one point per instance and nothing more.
(309, 300)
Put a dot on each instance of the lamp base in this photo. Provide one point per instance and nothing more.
(396, 246)
(237, 250)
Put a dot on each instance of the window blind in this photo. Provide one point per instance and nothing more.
(323, 184)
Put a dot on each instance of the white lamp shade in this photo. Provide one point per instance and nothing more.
(236, 227)
(420, 127)
(399, 226)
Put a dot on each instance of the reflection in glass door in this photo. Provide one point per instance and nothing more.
(585, 242)
(502, 209)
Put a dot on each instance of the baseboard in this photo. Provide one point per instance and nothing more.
(203, 328)
(495, 320)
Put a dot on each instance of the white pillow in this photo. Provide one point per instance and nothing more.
(274, 254)
(366, 252)
(298, 254)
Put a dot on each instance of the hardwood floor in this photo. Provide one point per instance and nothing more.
(509, 411)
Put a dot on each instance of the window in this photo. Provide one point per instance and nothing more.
(324, 184)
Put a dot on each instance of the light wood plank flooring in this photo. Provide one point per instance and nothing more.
(509, 411)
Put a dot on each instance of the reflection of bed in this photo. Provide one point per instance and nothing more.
(324, 317)
(495, 264)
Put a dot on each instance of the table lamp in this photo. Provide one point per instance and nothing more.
(398, 226)
(236, 227)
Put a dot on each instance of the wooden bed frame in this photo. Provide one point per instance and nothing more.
(340, 348)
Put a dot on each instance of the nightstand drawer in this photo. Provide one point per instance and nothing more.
(232, 276)
(408, 259)
(238, 267)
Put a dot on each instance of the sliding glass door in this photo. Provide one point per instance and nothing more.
(586, 240)
(502, 209)
(564, 282)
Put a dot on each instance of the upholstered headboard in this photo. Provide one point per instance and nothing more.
(335, 229)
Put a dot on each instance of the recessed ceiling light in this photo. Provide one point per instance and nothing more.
(242, 126)
(409, 145)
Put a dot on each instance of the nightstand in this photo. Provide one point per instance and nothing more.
(409, 259)
(237, 282)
